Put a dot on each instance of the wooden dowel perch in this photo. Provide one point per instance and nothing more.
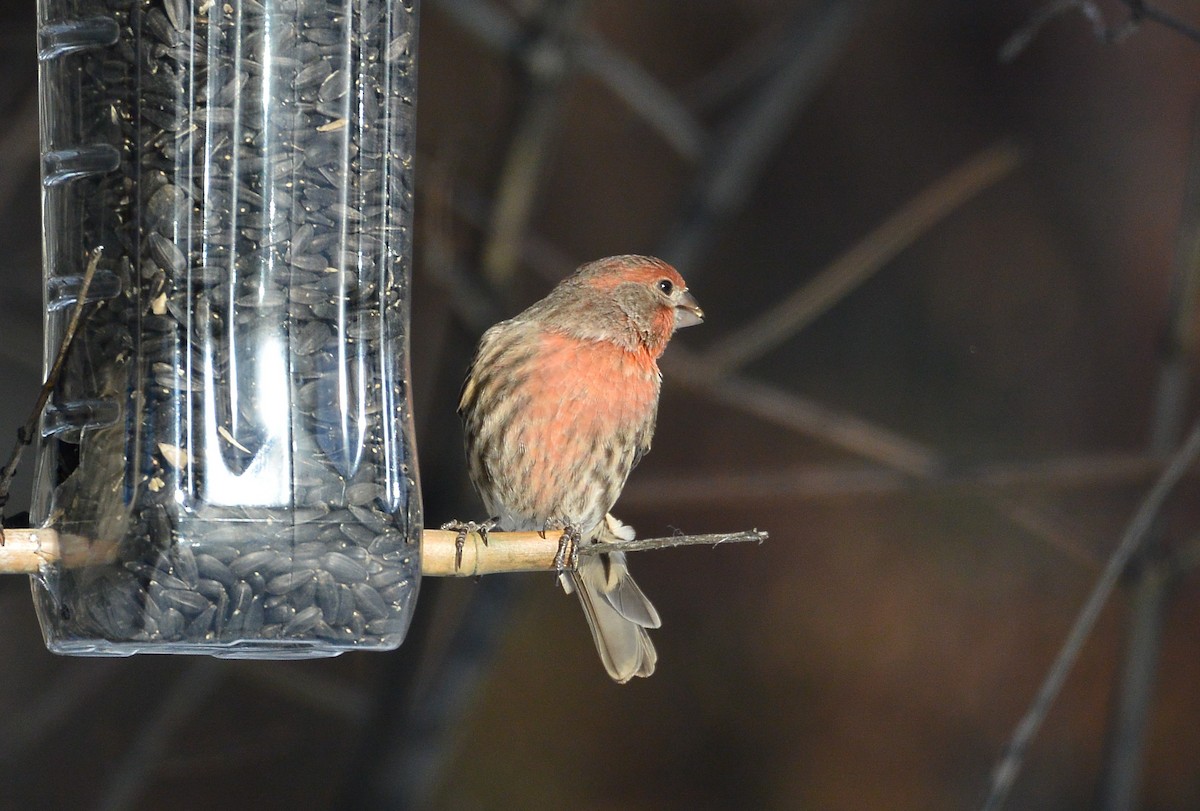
(530, 552)
(25, 551)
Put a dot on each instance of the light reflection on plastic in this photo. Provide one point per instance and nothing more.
(267, 480)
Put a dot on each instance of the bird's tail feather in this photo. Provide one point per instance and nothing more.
(618, 612)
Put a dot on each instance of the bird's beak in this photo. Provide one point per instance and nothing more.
(687, 311)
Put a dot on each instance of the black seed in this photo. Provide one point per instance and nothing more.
(211, 589)
(215, 237)
(186, 602)
(398, 48)
(368, 601)
(386, 577)
(343, 568)
(335, 86)
(289, 581)
(178, 13)
(278, 614)
(166, 254)
(252, 561)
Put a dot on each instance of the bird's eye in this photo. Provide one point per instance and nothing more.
(665, 286)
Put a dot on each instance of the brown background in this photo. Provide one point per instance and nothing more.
(880, 649)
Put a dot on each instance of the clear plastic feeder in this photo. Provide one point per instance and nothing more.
(230, 445)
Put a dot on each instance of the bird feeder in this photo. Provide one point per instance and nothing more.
(225, 455)
(227, 459)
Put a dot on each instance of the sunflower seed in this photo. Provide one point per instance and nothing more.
(221, 227)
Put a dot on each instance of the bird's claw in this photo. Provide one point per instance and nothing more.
(566, 559)
(463, 528)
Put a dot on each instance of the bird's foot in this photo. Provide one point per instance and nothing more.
(566, 559)
(464, 527)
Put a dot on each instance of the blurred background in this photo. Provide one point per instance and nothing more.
(948, 346)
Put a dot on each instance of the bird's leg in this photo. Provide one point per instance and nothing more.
(464, 527)
(566, 558)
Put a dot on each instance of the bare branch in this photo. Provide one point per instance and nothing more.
(805, 416)
(1009, 765)
(833, 481)
(661, 110)
(549, 62)
(1021, 39)
(1139, 10)
(26, 433)
(864, 259)
(1041, 525)
(1151, 584)
(814, 40)
(988, 481)
(647, 97)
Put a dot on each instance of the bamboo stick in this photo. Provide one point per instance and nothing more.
(27, 551)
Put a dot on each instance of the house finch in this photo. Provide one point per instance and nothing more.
(558, 406)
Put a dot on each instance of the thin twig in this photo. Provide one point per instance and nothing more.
(26, 432)
(815, 39)
(724, 84)
(645, 544)
(684, 490)
(805, 416)
(647, 97)
(1151, 588)
(658, 107)
(866, 257)
(1009, 765)
(549, 62)
(1016, 44)
(1139, 10)
(1047, 528)
(842, 481)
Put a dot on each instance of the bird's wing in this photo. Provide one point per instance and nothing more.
(642, 440)
(490, 345)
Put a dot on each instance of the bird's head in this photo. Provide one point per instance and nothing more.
(639, 299)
